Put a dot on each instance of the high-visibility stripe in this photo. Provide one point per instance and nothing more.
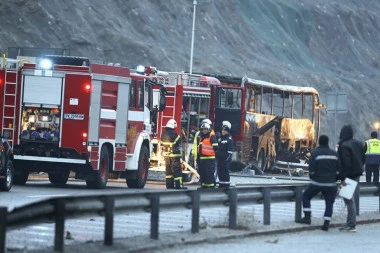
(326, 157)
(207, 157)
(170, 144)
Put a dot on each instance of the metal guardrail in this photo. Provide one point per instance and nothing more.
(59, 209)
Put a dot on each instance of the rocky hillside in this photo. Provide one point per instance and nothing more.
(332, 45)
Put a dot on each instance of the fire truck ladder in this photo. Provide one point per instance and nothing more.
(170, 96)
(10, 91)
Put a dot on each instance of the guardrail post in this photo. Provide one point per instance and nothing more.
(232, 198)
(109, 207)
(59, 225)
(3, 228)
(195, 202)
(154, 218)
(266, 196)
(298, 192)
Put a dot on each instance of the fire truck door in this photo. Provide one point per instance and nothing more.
(76, 107)
(229, 105)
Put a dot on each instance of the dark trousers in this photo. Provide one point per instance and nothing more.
(223, 172)
(372, 169)
(329, 194)
(206, 169)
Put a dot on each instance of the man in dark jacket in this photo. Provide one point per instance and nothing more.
(324, 167)
(352, 159)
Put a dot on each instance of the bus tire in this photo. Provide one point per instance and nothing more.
(101, 176)
(142, 170)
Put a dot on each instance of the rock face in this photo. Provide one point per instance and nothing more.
(331, 45)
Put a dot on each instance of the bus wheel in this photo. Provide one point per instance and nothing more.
(142, 170)
(20, 177)
(7, 182)
(59, 177)
(101, 176)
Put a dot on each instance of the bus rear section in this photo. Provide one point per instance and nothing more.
(274, 126)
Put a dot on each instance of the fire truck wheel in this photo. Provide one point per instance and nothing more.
(142, 171)
(7, 182)
(59, 177)
(20, 177)
(101, 176)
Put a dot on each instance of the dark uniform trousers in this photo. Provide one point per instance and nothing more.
(223, 173)
(206, 171)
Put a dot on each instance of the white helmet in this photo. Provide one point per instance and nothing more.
(207, 121)
(206, 126)
(171, 124)
(226, 124)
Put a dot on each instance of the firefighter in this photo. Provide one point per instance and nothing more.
(207, 146)
(224, 155)
(194, 149)
(172, 151)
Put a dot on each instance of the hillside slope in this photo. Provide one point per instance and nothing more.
(331, 45)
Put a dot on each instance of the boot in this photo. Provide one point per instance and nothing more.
(325, 226)
(178, 184)
(306, 219)
(170, 183)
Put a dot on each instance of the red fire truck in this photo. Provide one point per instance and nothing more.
(66, 114)
(188, 102)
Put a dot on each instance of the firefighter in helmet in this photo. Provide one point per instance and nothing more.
(207, 146)
(194, 149)
(172, 151)
(224, 155)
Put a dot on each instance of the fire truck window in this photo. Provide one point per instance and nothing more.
(146, 95)
(141, 94)
(230, 99)
(132, 95)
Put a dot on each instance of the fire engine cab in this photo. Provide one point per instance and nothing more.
(188, 102)
(65, 114)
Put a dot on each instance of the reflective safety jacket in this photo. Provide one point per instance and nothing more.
(373, 146)
(372, 151)
(171, 143)
(207, 145)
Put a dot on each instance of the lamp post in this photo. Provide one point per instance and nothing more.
(192, 38)
(377, 126)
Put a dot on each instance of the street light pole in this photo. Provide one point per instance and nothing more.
(192, 38)
(377, 126)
